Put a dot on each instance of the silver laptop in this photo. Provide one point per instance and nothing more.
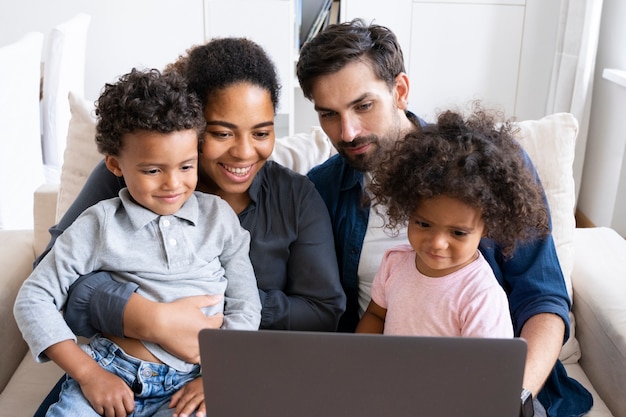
(309, 374)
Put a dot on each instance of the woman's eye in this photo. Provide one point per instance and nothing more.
(261, 135)
(219, 135)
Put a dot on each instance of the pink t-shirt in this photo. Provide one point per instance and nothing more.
(468, 302)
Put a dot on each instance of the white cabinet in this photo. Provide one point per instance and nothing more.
(270, 23)
(499, 51)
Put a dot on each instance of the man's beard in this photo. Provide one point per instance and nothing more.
(369, 160)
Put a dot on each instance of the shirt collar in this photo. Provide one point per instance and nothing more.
(139, 216)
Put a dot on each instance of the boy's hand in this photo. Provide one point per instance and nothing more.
(188, 399)
(108, 394)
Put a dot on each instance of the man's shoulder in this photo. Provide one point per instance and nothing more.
(331, 166)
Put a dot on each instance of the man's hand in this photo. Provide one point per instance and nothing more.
(174, 325)
(188, 399)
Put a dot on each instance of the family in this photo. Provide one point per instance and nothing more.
(405, 207)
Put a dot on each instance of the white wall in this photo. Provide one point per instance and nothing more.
(603, 189)
(122, 34)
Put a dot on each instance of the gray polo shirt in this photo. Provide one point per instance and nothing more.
(201, 249)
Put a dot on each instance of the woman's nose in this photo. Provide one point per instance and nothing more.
(242, 148)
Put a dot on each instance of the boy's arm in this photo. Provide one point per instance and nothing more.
(108, 394)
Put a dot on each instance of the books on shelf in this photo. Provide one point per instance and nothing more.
(315, 16)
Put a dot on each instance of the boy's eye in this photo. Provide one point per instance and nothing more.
(152, 171)
(187, 167)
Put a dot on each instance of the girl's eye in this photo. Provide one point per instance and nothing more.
(459, 233)
(423, 225)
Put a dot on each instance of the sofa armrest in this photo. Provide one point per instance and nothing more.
(599, 282)
(44, 211)
(16, 263)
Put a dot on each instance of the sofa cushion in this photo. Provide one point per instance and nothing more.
(81, 154)
(550, 143)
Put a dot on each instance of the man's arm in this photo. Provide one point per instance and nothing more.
(544, 336)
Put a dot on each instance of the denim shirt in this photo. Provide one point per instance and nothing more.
(341, 186)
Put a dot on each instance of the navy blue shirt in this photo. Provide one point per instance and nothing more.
(532, 277)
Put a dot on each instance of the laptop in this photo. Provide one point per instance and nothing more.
(307, 374)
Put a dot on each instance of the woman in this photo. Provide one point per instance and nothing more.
(292, 248)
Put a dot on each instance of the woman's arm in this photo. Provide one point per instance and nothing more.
(312, 298)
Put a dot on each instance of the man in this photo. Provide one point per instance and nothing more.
(354, 75)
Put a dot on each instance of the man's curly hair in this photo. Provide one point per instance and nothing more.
(473, 159)
(223, 62)
(146, 100)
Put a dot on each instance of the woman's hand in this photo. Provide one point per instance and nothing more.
(174, 325)
(188, 399)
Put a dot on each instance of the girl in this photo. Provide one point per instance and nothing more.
(456, 182)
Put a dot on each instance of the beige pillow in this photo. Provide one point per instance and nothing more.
(80, 156)
(550, 143)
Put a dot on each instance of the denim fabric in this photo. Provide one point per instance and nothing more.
(153, 384)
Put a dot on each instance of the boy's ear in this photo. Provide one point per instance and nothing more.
(113, 164)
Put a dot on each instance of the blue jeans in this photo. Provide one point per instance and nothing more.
(153, 383)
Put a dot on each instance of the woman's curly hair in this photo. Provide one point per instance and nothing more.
(146, 100)
(475, 160)
(223, 62)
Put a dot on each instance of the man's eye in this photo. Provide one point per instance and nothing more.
(327, 114)
(364, 106)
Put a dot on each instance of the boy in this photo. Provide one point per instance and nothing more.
(159, 233)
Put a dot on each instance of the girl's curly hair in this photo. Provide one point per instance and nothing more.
(146, 100)
(473, 159)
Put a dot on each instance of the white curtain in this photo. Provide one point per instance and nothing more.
(571, 84)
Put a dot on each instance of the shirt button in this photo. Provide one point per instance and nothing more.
(166, 223)
(173, 242)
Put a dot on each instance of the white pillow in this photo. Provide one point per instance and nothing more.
(81, 154)
(550, 143)
(303, 151)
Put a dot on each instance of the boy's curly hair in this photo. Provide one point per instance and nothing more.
(146, 100)
(223, 62)
(474, 160)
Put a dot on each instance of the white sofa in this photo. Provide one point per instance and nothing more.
(594, 258)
